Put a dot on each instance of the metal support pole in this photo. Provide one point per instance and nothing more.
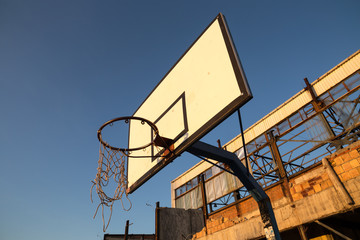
(266, 211)
(203, 194)
(302, 232)
(243, 141)
(316, 103)
(126, 230)
(157, 220)
(333, 230)
(219, 143)
(276, 156)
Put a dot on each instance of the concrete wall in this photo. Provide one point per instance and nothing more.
(312, 195)
(178, 224)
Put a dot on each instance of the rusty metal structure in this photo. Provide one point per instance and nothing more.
(318, 121)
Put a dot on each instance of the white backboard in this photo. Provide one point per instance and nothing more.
(203, 88)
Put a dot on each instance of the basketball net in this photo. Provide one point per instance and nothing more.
(111, 167)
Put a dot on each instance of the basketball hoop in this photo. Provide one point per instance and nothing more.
(112, 164)
(127, 119)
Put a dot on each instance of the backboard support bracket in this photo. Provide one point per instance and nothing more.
(163, 142)
(240, 171)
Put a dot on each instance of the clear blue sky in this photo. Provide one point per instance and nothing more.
(68, 66)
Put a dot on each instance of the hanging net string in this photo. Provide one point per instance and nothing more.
(111, 169)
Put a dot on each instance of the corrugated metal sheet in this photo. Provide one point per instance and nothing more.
(337, 74)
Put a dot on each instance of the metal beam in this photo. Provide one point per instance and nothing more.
(333, 230)
(302, 232)
(276, 155)
(203, 194)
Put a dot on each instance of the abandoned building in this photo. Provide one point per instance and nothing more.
(306, 156)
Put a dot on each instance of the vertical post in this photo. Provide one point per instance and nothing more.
(302, 232)
(279, 166)
(219, 143)
(243, 142)
(126, 230)
(318, 104)
(203, 194)
(157, 220)
(276, 156)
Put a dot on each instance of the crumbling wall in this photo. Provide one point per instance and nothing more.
(312, 195)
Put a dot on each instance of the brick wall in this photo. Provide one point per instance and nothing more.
(346, 162)
(301, 188)
(298, 189)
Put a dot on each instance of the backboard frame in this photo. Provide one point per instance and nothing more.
(245, 96)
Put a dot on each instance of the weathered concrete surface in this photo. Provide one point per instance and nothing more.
(312, 196)
(313, 207)
(179, 224)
